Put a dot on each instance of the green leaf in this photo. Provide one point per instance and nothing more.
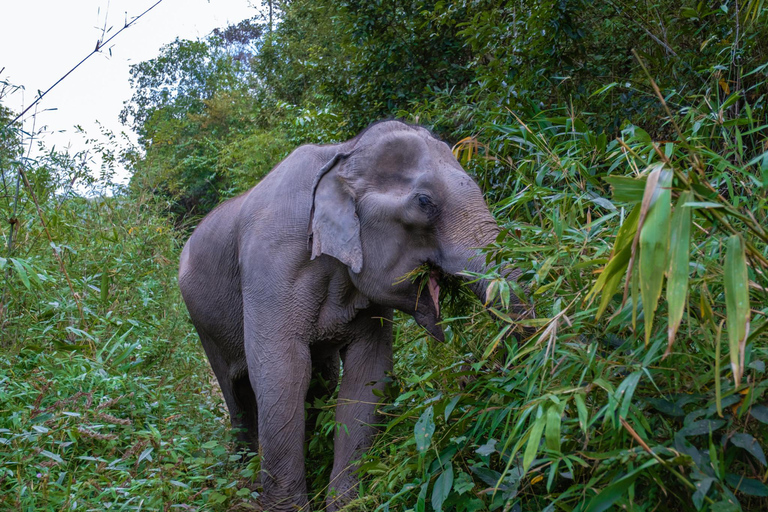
(145, 455)
(104, 290)
(534, 439)
(733, 98)
(725, 505)
(626, 189)
(702, 427)
(609, 279)
(424, 429)
(748, 486)
(22, 272)
(581, 408)
(442, 488)
(654, 241)
(489, 476)
(736, 303)
(51, 456)
(750, 444)
(679, 259)
(702, 204)
(626, 390)
(375, 467)
(463, 483)
(760, 413)
(552, 430)
(718, 382)
(702, 488)
(488, 448)
(604, 88)
(616, 490)
(451, 406)
(666, 407)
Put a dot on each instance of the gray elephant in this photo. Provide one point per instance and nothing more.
(305, 270)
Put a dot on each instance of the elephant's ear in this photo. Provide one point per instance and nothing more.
(334, 227)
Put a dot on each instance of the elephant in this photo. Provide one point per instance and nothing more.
(304, 271)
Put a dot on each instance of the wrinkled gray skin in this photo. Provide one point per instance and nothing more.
(301, 271)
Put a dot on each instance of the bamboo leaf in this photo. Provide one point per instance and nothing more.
(626, 390)
(649, 196)
(610, 277)
(707, 315)
(748, 486)
(533, 441)
(626, 189)
(736, 303)
(104, 290)
(617, 489)
(22, 272)
(552, 430)
(679, 259)
(654, 241)
(52, 456)
(496, 340)
(581, 409)
(610, 287)
(635, 298)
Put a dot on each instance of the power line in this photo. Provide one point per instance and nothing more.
(99, 46)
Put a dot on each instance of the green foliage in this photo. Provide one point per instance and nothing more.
(590, 412)
(107, 400)
(194, 108)
(455, 66)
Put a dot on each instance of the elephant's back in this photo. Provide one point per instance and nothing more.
(277, 210)
(279, 204)
(213, 242)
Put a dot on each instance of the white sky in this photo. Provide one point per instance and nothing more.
(40, 40)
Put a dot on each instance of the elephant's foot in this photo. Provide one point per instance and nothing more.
(284, 504)
(341, 493)
(283, 498)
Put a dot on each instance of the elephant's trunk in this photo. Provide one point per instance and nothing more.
(470, 261)
(471, 228)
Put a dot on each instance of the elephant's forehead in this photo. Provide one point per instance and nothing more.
(403, 156)
(398, 151)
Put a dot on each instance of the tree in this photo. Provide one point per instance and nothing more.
(189, 104)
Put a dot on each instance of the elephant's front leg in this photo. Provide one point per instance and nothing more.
(367, 359)
(280, 373)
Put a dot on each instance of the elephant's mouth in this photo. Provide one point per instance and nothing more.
(427, 312)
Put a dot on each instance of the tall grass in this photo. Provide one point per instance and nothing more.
(106, 400)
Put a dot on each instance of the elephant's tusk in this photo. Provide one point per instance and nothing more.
(434, 292)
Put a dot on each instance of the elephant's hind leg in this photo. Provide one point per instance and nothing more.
(237, 392)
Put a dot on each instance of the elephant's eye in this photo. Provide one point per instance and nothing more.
(426, 204)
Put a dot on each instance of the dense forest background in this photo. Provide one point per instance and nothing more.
(623, 147)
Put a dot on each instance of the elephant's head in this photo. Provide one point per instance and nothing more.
(392, 200)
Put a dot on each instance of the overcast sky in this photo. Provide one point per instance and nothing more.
(40, 40)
